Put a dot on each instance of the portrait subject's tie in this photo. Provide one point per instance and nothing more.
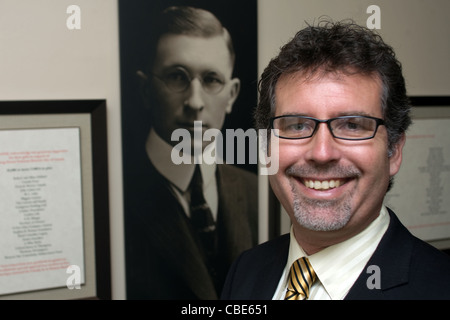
(301, 278)
(201, 215)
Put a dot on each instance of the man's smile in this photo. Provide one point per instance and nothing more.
(323, 184)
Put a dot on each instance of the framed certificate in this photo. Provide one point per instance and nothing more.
(54, 202)
(420, 195)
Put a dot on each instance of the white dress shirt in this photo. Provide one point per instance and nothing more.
(159, 153)
(337, 266)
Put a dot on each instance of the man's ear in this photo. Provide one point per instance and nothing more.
(144, 87)
(396, 158)
(235, 87)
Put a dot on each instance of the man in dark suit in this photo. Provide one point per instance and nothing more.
(335, 99)
(187, 219)
(164, 254)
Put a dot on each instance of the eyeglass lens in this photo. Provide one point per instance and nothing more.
(351, 128)
(179, 80)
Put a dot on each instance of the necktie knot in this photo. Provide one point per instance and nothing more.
(301, 278)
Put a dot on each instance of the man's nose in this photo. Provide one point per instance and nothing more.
(195, 98)
(323, 146)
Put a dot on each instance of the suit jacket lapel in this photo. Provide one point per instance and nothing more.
(392, 256)
(235, 222)
(271, 271)
(172, 236)
(183, 253)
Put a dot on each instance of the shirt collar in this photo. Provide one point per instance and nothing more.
(338, 266)
(159, 153)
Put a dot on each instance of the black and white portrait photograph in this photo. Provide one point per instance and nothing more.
(188, 76)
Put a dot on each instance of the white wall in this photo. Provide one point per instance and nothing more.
(41, 59)
(417, 29)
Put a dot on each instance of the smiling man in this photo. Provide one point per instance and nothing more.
(335, 98)
(332, 177)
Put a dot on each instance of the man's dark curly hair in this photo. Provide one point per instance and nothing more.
(339, 47)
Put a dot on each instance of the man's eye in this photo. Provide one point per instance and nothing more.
(212, 80)
(352, 125)
(299, 126)
(176, 77)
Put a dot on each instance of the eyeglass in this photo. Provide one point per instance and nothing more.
(346, 128)
(179, 80)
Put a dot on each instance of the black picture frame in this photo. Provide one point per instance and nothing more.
(135, 33)
(90, 117)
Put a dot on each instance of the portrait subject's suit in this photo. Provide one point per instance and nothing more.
(163, 258)
(409, 269)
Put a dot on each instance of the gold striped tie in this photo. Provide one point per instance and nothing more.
(301, 278)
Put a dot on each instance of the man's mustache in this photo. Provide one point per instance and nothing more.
(329, 170)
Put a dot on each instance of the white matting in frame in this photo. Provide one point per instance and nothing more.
(40, 208)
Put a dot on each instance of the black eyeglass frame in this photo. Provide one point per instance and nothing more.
(379, 122)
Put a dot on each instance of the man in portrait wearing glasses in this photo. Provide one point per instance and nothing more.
(335, 98)
(190, 220)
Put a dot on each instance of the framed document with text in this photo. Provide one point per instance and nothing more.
(54, 202)
(420, 195)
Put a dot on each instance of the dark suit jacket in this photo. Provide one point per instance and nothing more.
(409, 267)
(163, 258)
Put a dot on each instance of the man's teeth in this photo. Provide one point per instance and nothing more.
(322, 185)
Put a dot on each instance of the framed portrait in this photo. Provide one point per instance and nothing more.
(186, 65)
(54, 200)
(421, 188)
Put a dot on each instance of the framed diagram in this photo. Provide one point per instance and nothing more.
(54, 200)
(421, 188)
